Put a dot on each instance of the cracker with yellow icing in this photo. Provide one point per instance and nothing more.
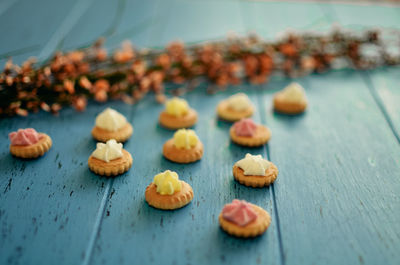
(34, 150)
(260, 137)
(176, 122)
(253, 229)
(121, 135)
(177, 114)
(184, 147)
(169, 202)
(112, 168)
(227, 113)
(271, 173)
(181, 155)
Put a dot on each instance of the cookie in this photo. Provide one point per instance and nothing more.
(177, 114)
(235, 107)
(167, 192)
(246, 133)
(291, 100)
(28, 143)
(291, 108)
(114, 167)
(254, 171)
(169, 202)
(110, 159)
(254, 222)
(184, 147)
(256, 181)
(121, 135)
(32, 151)
(181, 155)
(173, 122)
(229, 114)
(110, 124)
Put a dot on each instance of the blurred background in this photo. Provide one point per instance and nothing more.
(38, 28)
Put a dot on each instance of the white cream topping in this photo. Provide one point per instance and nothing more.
(239, 102)
(110, 120)
(294, 93)
(108, 151)
(253, 165)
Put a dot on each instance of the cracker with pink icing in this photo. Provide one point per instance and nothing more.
(243, 219)
(247, 133)
(28, 143)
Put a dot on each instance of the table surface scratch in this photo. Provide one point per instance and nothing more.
(337, 196)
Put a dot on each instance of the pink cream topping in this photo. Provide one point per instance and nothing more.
(239, 212)
(245, 127)
(27, 136)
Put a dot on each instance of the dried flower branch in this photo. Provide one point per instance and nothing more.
(128, 74)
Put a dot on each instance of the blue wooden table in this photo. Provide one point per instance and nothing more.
(337, 196)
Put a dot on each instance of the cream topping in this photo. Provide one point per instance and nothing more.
(239, 102)
(177, 107)
(293, 93)
(110, 120)
(253, 165)
(108, 151)
(185, 139)
(167, 182)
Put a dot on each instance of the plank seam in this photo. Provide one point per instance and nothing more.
(368, 82)
(267, 154)
(365, 76)
(68, 23)
(97, 224)
(100, 213)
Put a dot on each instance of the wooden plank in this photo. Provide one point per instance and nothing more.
(271, 19)
(23, 38)
(140, 22)
(51, 207)
(134, 232)
(338, 190)
(367, 16)
(48, 206)
(99, 21)
(125, 20)
(140, 233)
(194, 21)
(385, 84)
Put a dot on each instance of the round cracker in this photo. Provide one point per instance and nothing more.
(33, 150)
(169, 202)
(120, 135)
(260, 137)
(177, 122)
(114, 167)
(253, 229)
(271, 173)
(181, 155)
(229, 114)
(292, 108)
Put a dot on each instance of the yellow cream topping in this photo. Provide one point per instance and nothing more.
(177, 107)
(167, 182)
(294, 93)
(185, 139)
